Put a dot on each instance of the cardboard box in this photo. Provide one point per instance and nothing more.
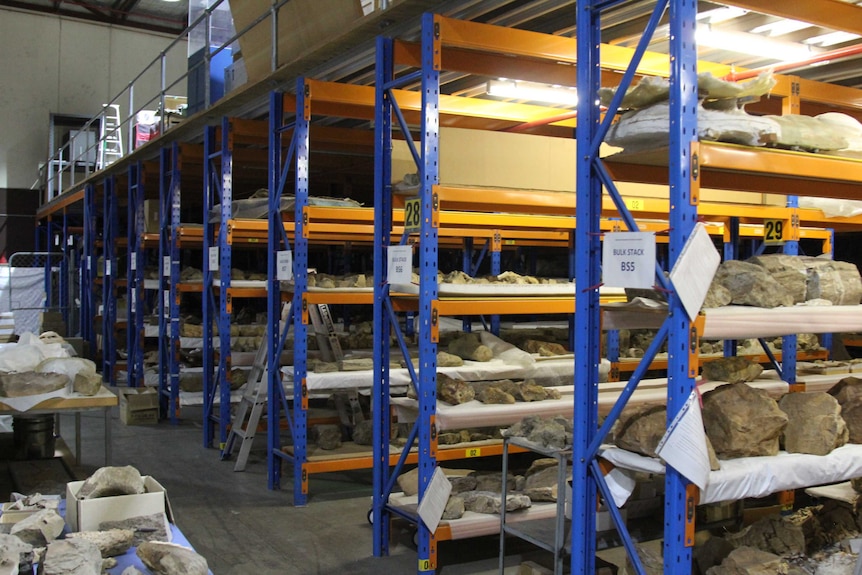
(87, 514)
(151, 216)
(303, 26)
(139, 406)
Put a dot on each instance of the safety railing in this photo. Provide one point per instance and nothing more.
(64, 169)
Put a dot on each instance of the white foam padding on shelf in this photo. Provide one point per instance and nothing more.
(758, 476)
(734, 322)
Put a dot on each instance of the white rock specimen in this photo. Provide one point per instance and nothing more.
(171, 559)
(26, 383)
(111, 543)
(14, 551)
(109, 481)
(72, 557)
(40, 528)
(81, 371)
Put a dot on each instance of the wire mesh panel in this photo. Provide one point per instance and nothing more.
(34, 283)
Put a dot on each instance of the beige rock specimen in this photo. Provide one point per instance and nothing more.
(454, 508)
(490, 503)
(810, 278)
(741, 421)
(529, 391)
(848, 392)
(750, 284)
(540, 480)
(171, 559)
(544, 348)
(640, 428)
(40, 528)
(750, 561)
(717, 296)
(80, 370)
(814, 423)
(72, 557)
(26, 383)
(453, 391)
(109, 481)
(734, 369)
(14, 551)
(494, 394)
(327, 436)
(111, 543)
(469, 346)
(773, 534)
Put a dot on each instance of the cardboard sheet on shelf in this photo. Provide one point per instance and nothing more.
(758, 476)
(477, 524)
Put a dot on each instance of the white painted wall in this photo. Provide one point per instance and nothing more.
(60, 65)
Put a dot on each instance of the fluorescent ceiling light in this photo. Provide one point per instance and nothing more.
(781, 27)
(752, 44)
(832, 38)
(518, 90)
(722, 14)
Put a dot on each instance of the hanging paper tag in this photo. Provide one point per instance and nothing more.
(213, 258)
(133, 261)
(70, 241)
(56, 240)
(167, 302)
(107, 267)
(284, 265)
(89, 262)
(400, 264)
(628, 259)
(166, 266)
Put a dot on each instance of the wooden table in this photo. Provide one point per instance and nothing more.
(76, 404)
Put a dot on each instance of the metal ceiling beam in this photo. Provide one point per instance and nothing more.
(827, 13)
(102, 19)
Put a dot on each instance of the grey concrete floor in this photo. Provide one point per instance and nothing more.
(243, 528)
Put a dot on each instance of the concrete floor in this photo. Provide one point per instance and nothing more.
(242, 528)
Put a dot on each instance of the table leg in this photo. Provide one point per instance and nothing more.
(107, 436)
(77, 438)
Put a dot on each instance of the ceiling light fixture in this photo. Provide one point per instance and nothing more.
(832, 38)
(534, 92)
(752, 44)
(722, 14)
(781, 27)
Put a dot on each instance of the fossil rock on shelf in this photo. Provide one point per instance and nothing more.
(494, 394)
(639, 429)
(717, 296)
(741, 421)
(327, 436)
(544, 348)
(734, 369)
(750, 284)
(553, 432)
(453, 391)
(490, 503)
(468, 346)
(773, 534)
(814, 423)
(848, 392)
(749, 561)
(540, 481)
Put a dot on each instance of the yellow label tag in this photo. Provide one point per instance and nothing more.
(773, 231)
(635, 204)
(413, 215)
(473, 452)
(425, 565)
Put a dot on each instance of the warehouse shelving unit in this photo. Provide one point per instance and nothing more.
(135, 287)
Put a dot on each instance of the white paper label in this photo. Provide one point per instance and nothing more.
(400, 264)
(213, 258)
(56, 240)
(628, 259)
(167, 294)
(434, 500)
(89, 262)
(694, 269)
(133, 261)
(684, 443)
(70, 241)
(107, 267)
(166, 266)
(284, 265)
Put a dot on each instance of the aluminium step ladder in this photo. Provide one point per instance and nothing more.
(252, 403)
(110, 137)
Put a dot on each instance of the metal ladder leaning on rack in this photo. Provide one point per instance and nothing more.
(110, 137)
(251, 404)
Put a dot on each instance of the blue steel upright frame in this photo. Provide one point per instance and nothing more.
(169, 261)
(136, 226)
(88, 277)
(110, 223)
(280, 162)
(424, 432)
(684, 193)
